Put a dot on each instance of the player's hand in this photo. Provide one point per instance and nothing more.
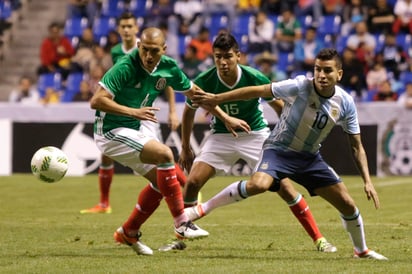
(173, 121)
(232, 124)
(186, 159)
(145, 113)
(372, 194)
(201, 98)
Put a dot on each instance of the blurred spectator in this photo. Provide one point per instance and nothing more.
(244, 59)
(352, 13)
(306, 50)
(405, 99)
(202, 44)
(25, 93)
(385, 92)
(84, 52)
(394, 57)
(56, 52)
(266, 62)
(380, 17)
(172, 42)
(83, 8)
(332, 7)
(403, 17)
(51, 96)
(190, 63)
(95, 76)
(363, 43)
(112, 40)
(100, 58)
(84, 94)
(288, 31)
(377, 74)
(160, 12)
(272, 7)
(261, 31)
(353, 80)
(227, 7)
(248, 6)
(189, 12)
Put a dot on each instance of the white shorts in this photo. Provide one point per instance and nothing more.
(124, 146)
(222, 150)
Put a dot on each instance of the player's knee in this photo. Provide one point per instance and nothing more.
(164, 154)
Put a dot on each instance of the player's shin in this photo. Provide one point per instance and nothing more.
(235, 192)
(354, 226)
(171, 191)
(301, 210)
(147, 202)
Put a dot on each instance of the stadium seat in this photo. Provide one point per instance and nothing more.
(72, 86)
(216, 22)
(329, 25)
(102, 25)
(74, 27)
(242, 24)
(112, 8)
(47, 80)
(5, 10)
(305, 21)
(139, 7)
(341, 43)
(285, 61)
(183, 40)
(403, 40)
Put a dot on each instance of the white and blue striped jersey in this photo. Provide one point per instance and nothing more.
(307, 117)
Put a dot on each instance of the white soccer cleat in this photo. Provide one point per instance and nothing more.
(195, 212)
(324, 246)
(134, 242)
(370, 254)
(189, 230)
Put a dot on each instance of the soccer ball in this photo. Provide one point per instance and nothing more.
(49, 164)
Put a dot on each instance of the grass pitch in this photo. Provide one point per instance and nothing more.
(43, 232)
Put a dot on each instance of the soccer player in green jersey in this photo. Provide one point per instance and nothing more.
(220, 150)
(123, 99)
(128, 29)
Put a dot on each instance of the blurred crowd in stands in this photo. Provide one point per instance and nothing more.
(281, 38)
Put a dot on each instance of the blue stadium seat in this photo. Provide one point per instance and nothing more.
(183, 40)
(6, 10)
(242, 24)
(285, 61)
(47, 80)
(403, 40)
(112, 8)
(74, 27)
(102, 25)
(216, 22)
(139, 7)
(329, 25)
(341, 42)
(72, 86)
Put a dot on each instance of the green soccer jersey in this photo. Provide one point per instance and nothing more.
(250, 111)
(133, 86)
(118, 51)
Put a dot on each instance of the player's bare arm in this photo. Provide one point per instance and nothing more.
(231, 123)
(203, 98)
(361, 161)
(102, 100)
(173, 119)
(186, 155)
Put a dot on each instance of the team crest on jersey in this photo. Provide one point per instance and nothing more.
(334, 112)
(264, 165)
(161, 84)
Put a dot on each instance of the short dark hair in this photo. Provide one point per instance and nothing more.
(126, 16)
(225, 41)
(330, 54)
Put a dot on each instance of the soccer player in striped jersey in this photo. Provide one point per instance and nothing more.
(313, 106)
(220, 150)
(128, 29)
(123, 99)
